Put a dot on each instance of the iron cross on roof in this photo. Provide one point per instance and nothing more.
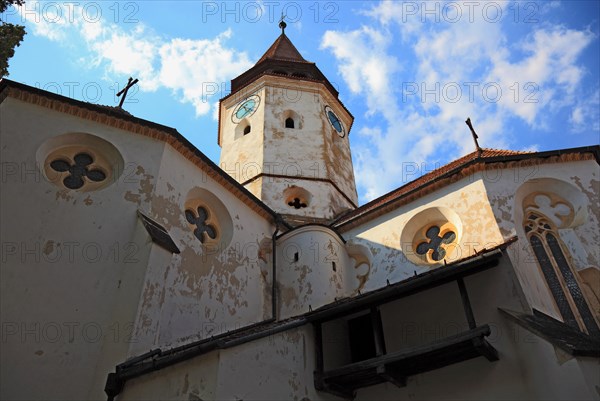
(475, 137)
(282, 23)
(124, 91)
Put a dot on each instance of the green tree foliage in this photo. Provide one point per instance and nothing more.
(11, 36)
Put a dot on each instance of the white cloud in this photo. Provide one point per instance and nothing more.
(586, 114)
(497, 80)
(193, 66)
(549, 72)
(193, 69)
(365, 65)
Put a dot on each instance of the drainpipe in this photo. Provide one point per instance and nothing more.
(274, 279)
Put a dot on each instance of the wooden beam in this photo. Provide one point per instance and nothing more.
(414, 285)
(466, 303)
(485, 349)
(391, 375)
(318, 347)
(417, 351)
(340, 391)
(378, 331)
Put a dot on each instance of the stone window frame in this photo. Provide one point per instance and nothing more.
(414, 231)
(209, 223)
(554, 260)
(241, 127)
(105, 160)
(79, 170)
(297, 119)
(422, 237)
(218, 217)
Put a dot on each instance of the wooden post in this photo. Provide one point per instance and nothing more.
(378, 331)
(319, 346)
(466, 303)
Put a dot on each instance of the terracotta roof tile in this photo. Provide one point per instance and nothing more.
(427, 178)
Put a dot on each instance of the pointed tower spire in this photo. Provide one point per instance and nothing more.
(282, 49)
(282, 58)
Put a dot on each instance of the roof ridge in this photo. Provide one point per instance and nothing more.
(508, 151)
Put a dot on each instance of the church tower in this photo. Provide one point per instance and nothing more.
(284, 136)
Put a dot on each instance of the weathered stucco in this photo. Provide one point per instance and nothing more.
(578, 181)
(84, 287)
(72, 266)
(393, 250)
(310, 155)
(207, 288)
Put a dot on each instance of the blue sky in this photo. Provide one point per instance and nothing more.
(411, 72)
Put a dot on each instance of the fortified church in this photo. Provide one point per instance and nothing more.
(134, 268)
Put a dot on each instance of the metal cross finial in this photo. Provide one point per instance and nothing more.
(282, 23)
(124, 91)
(468, 122)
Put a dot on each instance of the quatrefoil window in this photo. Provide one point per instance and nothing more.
(80, 169)
(435, 245)
(204, 231)
(297, 203)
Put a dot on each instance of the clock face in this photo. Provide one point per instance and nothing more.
(245, 109)
(335, 122)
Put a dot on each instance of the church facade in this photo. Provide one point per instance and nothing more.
(135, 268)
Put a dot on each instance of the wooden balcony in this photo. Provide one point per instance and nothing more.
(397, 366)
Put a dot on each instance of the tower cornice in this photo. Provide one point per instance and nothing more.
(282, 59)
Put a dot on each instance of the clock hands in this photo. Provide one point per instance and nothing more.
(245, 108)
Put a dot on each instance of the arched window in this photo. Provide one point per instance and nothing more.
(553, 259)
(291, 119)
(247, 129)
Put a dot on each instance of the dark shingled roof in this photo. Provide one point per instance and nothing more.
(282, 49)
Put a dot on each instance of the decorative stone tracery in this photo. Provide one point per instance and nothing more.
(544, 214)
(435, 246)
(199, 218)
(80, 162)
(79, 170)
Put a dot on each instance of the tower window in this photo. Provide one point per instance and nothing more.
(289, 123)
(297, 203)
(247, 129)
